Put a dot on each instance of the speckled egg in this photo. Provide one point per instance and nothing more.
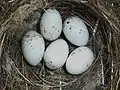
(51, 24)
(56, 54)
(79, 60)
(76, 31)
(33, 47)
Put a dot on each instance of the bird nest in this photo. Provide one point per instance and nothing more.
(16, 74)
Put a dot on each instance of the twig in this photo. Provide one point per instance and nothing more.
(23, 76)
(60, 85)
(12, 64)
(102, 72)
(2, 7)
(112, 24)
(46, 4)
(45, 81)
(112, 65)
(94, 32)
(118, 83)
(11, 1)
(107, 17)
(112, 71)
(84, 1)
(1, 44)
(7, 19)
(60, 81)
(96, 26)
(26, 86)
(6, 82)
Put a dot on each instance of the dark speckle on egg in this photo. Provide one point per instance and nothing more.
(29, 43)
(79, 50)
(68, 22)
(44, 31)
(53, 26)
(50, 61)
(80, 29)
(41, 25)
(31, 39)
(34, 35)
(27, 35)
(50, 33)
(53, 66)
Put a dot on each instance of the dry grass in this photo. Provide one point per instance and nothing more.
(24, 15)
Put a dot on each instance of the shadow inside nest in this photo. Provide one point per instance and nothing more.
(101, 41)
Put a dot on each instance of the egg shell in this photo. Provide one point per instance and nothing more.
(76, 31)
(79, 60)
(56, 54)
(33, 47)
(51, 24)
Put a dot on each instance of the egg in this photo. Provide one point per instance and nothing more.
(56, 54)
(79, 60)
(33, 47)
(51, 24)
(76, 31)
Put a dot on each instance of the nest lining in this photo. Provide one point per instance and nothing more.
(102, 41)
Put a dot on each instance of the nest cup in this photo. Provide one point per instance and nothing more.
(101, 41)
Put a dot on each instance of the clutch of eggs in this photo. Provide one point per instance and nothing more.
(56, 54)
